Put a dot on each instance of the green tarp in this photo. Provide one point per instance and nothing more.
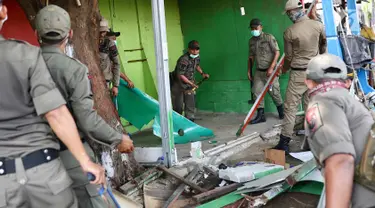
(139, 109)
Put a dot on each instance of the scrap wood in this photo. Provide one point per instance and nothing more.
(180, 189)
(212, 194)
(137, 183)
(192, 185)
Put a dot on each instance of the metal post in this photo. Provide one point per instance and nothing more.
(333, 44)
(162, 69)
(353, 17)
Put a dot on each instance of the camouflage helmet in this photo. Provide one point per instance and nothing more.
(326, 66)
(53, 23)
(104, 25)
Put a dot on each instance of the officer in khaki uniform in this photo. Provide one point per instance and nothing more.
(304, 40)
(337, 126)
(263, 49)
(183, 82)
(53, 28)
(109, 58)
(31, 172)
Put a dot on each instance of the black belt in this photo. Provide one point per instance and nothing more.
(63, 147)
(298, 69)
(29, 161)
(262, 70)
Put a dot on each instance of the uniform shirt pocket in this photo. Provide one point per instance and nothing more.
(264, 47)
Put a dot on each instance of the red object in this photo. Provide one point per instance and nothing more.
(17, 26)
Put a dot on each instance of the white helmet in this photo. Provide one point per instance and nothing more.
(317, 67)
(104, 25)
(292, 4)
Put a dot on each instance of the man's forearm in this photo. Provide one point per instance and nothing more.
(275, 58)
(123, 76)
(186, 80)
(199, 69)
(63, 125)
(339, 173)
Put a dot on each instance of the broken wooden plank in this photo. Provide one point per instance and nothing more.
(192, 185)
(180, 189)
(137, 183)
(212, 194)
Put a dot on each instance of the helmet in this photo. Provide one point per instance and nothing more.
(292, 4)
(317, 68)
(104, 25)
(52, 23)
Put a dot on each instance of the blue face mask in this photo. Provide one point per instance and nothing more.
(255, 33)
(295, 15)
(194, 56)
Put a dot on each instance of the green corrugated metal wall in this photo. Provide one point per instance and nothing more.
(223, 34)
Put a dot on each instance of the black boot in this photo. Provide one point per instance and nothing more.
(283, 144)
(280, 109)
(260, 118)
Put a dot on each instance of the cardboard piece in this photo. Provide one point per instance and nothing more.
(274, 156)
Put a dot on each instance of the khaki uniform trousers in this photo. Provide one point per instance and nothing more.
(87, 193)
(294, 93)
(44, 186)
(183, 100)
(260, 80)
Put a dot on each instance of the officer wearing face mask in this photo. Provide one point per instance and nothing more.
(338, 127)
(304, 40)
(183, 82)
(263, 49)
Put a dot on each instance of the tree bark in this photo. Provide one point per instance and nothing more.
(85, 24)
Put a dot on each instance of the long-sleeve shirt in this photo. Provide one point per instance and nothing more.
(72, 79)
(110, 61)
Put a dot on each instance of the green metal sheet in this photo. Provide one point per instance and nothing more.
(139, 109)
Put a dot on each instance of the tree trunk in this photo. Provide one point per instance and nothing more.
(85, 24)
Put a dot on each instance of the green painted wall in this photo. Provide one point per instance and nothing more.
(133, 18)
(223, 34)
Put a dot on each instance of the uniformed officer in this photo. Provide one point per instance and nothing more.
(31, 172)
(337, 126)
(54, 30)
(113, 36)
(109, 58)
(304, 40)
(183, 97)
(263, 49)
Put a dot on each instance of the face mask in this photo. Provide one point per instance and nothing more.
(69, 50)
(255, 33)
(295, 15)
(115, 42)
(194, 56)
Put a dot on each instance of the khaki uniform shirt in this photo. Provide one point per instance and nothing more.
(27, 92)
(263, 49)
(109, 61)
(304, 40)
(339, 124)
(72, 79)
(186, 66)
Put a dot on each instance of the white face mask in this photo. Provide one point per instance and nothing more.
(194, 56)
(2, 21)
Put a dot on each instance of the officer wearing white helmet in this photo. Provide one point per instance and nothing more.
(337, 126)
(303, 40)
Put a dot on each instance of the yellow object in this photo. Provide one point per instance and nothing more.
(367, 33)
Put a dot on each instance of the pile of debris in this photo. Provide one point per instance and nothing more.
(246, 184)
